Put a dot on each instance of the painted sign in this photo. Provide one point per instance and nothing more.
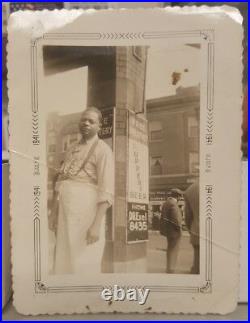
(158, 196)
(106, 132)
(138, 179)
(137, 222)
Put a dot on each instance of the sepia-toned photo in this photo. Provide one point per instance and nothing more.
(125, 177)
(161, 89)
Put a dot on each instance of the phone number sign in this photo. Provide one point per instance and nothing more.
(137, 226)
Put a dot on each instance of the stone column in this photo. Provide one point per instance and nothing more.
(130, 85)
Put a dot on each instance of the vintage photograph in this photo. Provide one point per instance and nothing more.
(123, 157)
(125, 181)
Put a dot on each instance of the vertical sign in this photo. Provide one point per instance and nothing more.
(106, 132)
(138, 179)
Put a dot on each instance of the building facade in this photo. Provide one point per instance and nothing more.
(173, 143)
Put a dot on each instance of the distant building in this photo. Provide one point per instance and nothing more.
(173, 143)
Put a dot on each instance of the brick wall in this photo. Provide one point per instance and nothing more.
(130, 77)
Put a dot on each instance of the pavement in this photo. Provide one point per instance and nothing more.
(156, 254)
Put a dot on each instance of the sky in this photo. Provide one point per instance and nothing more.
(161, 63)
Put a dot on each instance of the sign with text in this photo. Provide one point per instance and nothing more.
(138, 178)
(106, 131)
(137, 222)
(158, 196)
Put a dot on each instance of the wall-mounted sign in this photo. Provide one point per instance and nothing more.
(158, 196)
(137, 224)
(138, 179)
(106, 132)
(107, 123)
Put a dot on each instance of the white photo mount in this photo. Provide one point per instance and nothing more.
(214, 290)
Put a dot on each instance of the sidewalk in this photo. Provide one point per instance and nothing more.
(156, 254)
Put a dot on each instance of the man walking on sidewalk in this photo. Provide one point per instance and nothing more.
(192, 221)
(170, 227)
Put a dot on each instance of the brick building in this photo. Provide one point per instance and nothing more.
(173, 143)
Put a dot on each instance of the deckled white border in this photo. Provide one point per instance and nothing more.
(226, 300)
